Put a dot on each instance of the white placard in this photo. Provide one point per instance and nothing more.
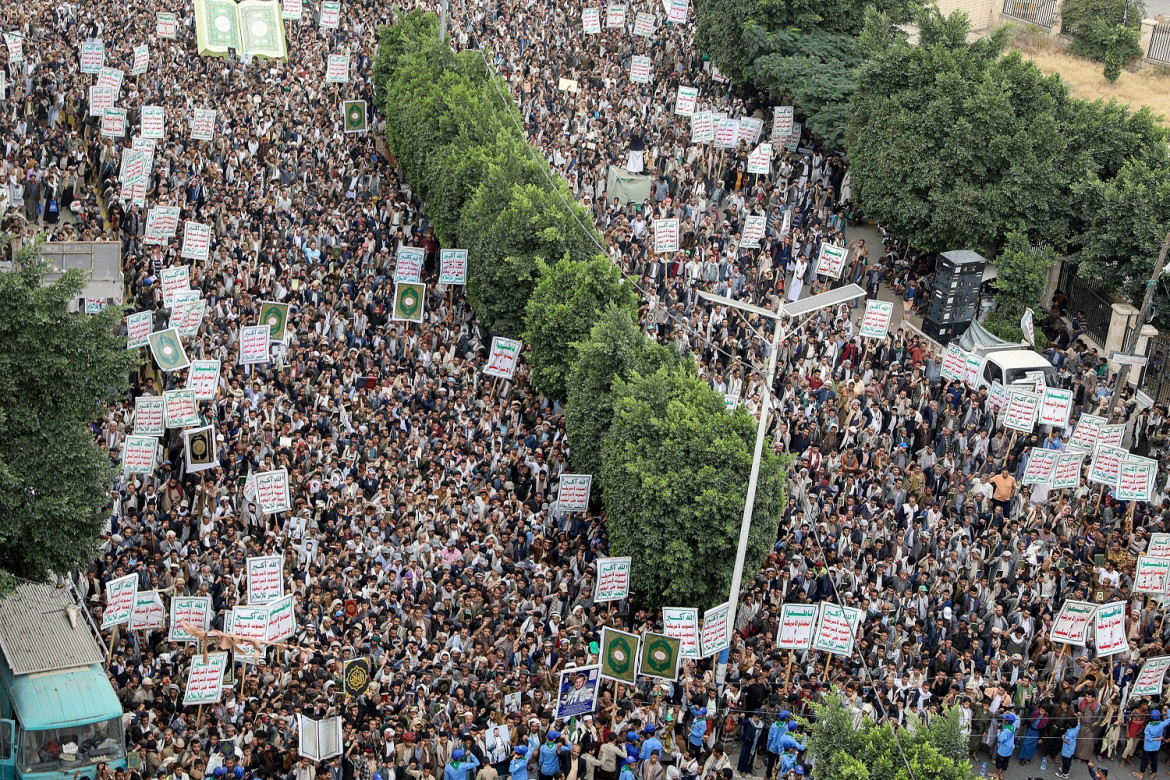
(254, 344)
(682, 623)
(330, 14)
(1149, 679)
(149, 612)
(120, 595)
(615, 16)
(781, 123)
(639, 69)
(1022, 409)
(836, 629)
(196, 240)
(613, 579)
(753, 231)
(684, 103)
(149, 415)
(337, 69)
(503, 358)
(265, 579)
(726, 133)
(797, 623)
(93, 56)
(1085, 434)
(591, 20)
(666, 235)
(875, 323)
(716, 634)
(272, 492)
(203, 379)
(1109, 629)
(409, 265)
(1135, 481)
(702, 127)
(193, 611)
(831, 261)
(203, 124)
(573, 494)
(180, 408)
(452, 266)
(205, 680)
(644, 25)
(138, 454)
(154, 122)
(1055, 408)
(1071, 626)
(141, 60)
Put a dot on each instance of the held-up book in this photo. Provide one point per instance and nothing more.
(320, 739)
(253, 27)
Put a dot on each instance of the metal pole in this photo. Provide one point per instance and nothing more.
(1131, 341)
(753, 480)
(443, 22)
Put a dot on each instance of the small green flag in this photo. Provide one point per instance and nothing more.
(619, 652)
(659, 657)
(408, 301)
(355, 116)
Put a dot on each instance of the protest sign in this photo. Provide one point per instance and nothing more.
(1055, 408)
(163, 221)
(93, 56)
(1105, 467)
(1109, 629)
(644, 25)
(15, 44)
(972, 368)
(1021, 411)
(250, 623)
(682, 623)
(272, 491)
(138, 328)
(141, 60)
(112, 78)
(875, 323)
(166, 25)
(836, 629)
(149, 416)
(409, 263)
(120, 595)
(172, 280)
(113, 123)
(153, 122)
(282, 619)
(199, 449)
(95, 305)
(684, 104)
(702, 127)
(716, 633)
(591, 20)
(1149, 679)
(831, 260)
(613, 579)
(1151, 575)
(1066, 471)
(1111, 435)
(292, 9)
(749, 132)
(577, 692)
(452, 266)
(1085, 434)
(504, 355)
(797, 622)
(203, 124)
(1135, 480)
(196, 240)
(760, 160)
(205, 679)
(188, 314)
(180, 408)
(726, 133)
(254, 342)
(168, 350)
(193, 611)
(676, 10)
(573, 494)
(265, 581)
(149, 612)
(619, 654)
(781, 123)
(1039, 468)
(615, 16)
(138, 454)
(753, 231)
(1159, 545)
(1071, 625)
(337, 69)
(794, 137)
(660, 656)
(639, 69)
(666, 235)
(100, 99)
(330, 14)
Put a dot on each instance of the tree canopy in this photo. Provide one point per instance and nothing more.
(56, 371)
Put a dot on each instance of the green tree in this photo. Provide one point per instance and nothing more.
(872, 751)
(561, 312)
(56, 371)
(1021, 276)
(1090, 22)
(675, 469)
(615, 347)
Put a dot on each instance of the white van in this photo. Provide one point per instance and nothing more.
(1004, 361)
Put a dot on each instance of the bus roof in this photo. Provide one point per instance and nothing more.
(36, 634)
(65, 698)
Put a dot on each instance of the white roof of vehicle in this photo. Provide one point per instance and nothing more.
(1020, 358)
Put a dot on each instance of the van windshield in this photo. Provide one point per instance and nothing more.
(71, 747)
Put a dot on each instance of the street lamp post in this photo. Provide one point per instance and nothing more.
(815, 303)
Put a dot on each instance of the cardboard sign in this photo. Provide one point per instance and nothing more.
(753, 231)
(760, 160)
(141, 60)
(254, 344)
(149, 419)
(1055, 408)
(1135, 481)
(836, 629)
(1109, 629)
(180, 408)
(573, 495)
(282, 619)
(781, 123)
(1040, 465)
(101, 99)
(1111, 435)
(1151, 575)
(666, 235)
(613, 579)
(682, 623)
(702, 127)
(1021, 411)
(797, 622)
(1085, 434)
(1149, 679)
(1071, 626)
(504, 355)
(726, 133)
(716, 634)
(265, 579)
(138, 328)
(615, 16)
(114, 123)
(93, 56)
(1066, 471)
(187, 315)
(954, 360)
(1159, 545)
(153, 122)
(875, 323)
(120, 595)
(203, 124)
(272, 492)
(194, 611)
(337, 69)
(452, 266)
(750, 129)
(684, 103)
(972, 368)
(330, 14)
(1105, 467)
(138, 454)
(831, 261)
(676, 10)
(149, 612)
(163, 221)
(292, 9)
(15, 44)
(409, 264)
(639, 69)
(644, 25)
(112, 78)
(166, 25)
(196, 240)
(205, 680)
(591, 20)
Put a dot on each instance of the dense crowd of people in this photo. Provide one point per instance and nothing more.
(424, 532)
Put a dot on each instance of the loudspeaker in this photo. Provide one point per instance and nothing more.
(954, 297)
(944, 332)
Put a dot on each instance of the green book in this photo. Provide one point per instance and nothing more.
(253, 27)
